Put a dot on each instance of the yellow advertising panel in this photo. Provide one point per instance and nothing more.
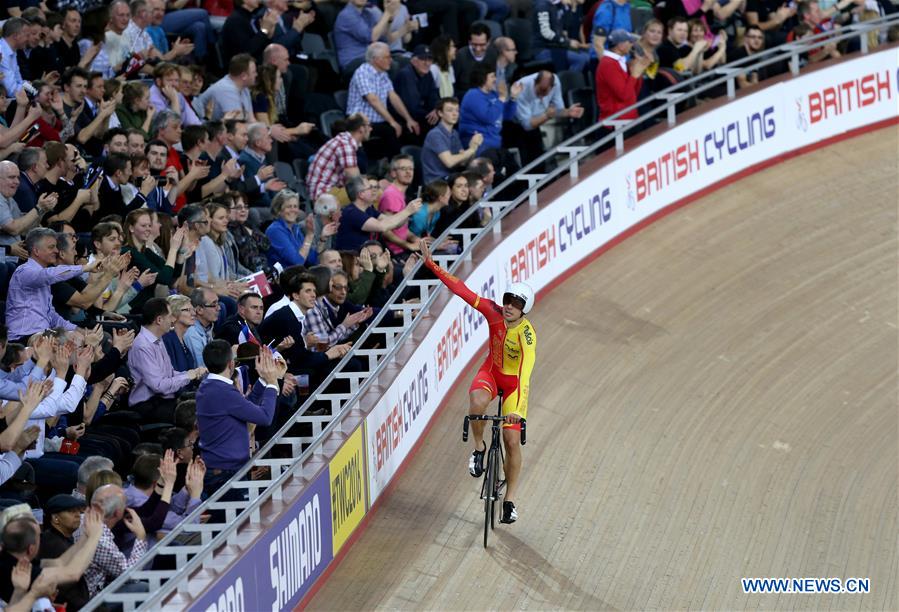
(347, 472)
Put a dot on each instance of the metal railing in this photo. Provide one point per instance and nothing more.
(213, 536)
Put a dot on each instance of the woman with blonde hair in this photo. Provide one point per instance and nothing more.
(185, 316)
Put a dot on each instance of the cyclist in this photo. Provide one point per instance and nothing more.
(508, 368)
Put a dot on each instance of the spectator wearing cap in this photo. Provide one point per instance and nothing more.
(538, 105)
(369, 94)
(22, 542)
(415, 86)
(551, 44)
(443, 149)
(618, 82)
(62, 517)
(336, 161)
(478, 51)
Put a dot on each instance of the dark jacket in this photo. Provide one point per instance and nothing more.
(113, 203)
(418, 93)
(463, 65)
(282, 323)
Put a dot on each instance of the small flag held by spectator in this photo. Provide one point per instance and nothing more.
(258, 284)
(245, 335)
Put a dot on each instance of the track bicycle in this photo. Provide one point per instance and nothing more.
(492, 486)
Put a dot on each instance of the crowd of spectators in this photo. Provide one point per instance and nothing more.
(204, 204)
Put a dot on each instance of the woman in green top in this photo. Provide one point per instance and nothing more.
(138, 231)
(135, 111)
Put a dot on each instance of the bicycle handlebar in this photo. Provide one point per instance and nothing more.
(491, 417)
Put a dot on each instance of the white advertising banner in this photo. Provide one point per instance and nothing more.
(673, 166)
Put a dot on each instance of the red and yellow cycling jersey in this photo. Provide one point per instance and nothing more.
(513, 350)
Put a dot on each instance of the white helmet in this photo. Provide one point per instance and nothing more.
(524, 293)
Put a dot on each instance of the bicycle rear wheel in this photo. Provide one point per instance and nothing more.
(490, 493)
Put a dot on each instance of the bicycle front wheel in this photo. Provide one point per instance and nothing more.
(490, 493)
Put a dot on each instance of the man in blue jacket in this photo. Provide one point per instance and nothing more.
(223, 413)
(612, 15)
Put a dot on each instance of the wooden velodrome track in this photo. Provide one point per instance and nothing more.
(714, 398)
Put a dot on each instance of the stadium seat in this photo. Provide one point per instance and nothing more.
(341, 98)
(328, 118)
(571, 79)
(314, 46)
(585, 97)
(496, 30)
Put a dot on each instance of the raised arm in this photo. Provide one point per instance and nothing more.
(455, 285)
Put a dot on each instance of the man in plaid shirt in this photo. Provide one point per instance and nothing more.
(109, 562)
(336, 162)
(324, 319)
(370, 91)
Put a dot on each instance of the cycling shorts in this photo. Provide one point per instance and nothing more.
(488, 379)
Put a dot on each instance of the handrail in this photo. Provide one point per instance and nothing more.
(215, 535)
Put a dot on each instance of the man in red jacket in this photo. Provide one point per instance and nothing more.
(617, 82)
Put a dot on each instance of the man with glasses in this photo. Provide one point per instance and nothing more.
(477, 51)
(399, 241)
(753, 43)
(360, 220)
(206, 306)
(506, 54)
(332, 319)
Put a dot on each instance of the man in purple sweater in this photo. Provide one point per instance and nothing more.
(223, 413)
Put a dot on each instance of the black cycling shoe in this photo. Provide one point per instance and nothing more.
(510, 514)
(476, 462)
